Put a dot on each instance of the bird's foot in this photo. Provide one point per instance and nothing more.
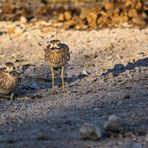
(62, 86)
(7, 97)
(53, 91)
(3, 97)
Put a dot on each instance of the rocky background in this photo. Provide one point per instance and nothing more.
(105, 101)
(77, 15)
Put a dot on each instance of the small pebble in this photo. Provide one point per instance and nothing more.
(26, 98)
(23, 19)
(127, 96)
(84, 72)
(42, 136)
(18, 30)
(10, 130)
(34, 86)
(146, 145)
(95, 109)
(2, 55)
(11, 140)
(130, 144)
(146, 137)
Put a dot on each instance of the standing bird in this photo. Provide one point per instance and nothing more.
(9, 80)
(57, 55)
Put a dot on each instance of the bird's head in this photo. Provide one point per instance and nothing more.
(9, 67)
(54, 45)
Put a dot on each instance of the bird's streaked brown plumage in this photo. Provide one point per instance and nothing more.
(9, 79)
(57, 55)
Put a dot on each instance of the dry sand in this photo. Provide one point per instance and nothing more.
(107, 74)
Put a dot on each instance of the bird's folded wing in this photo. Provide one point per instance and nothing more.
(3, 79)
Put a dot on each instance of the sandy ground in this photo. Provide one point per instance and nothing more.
(107, 74)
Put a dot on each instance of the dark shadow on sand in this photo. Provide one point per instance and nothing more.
(120, 68)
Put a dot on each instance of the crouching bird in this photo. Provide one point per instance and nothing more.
(9, 80)
(57, 55)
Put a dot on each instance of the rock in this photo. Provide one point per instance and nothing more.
(138, 5)
(126, 144)
(10, 30)
(83, 13)
(84, 72)
(61, 17)
(10, 130)
(3, 118)
(19, 60)
(95, 109)
(23, 19)
(103, 21)
(146, 145)
(2, 55)
(119, 19)
(145, 6)
(89, 131)
(42, 136)
(34, 86)
(138, 21)
(132, 145)
(108, 5)
(146, 137)
(18, 30)
(80, 23)
(114, 124)
(109, 46)
(137, 145)
(132, 13)
(67, 15)
(11, 140)
(69, 24)
(127, 96)
(92, 19)
(25, 98)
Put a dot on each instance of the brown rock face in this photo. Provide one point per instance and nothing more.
(76, 15)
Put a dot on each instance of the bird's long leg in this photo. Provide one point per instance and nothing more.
(12, 96)
(62, 77)
(52, 73)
